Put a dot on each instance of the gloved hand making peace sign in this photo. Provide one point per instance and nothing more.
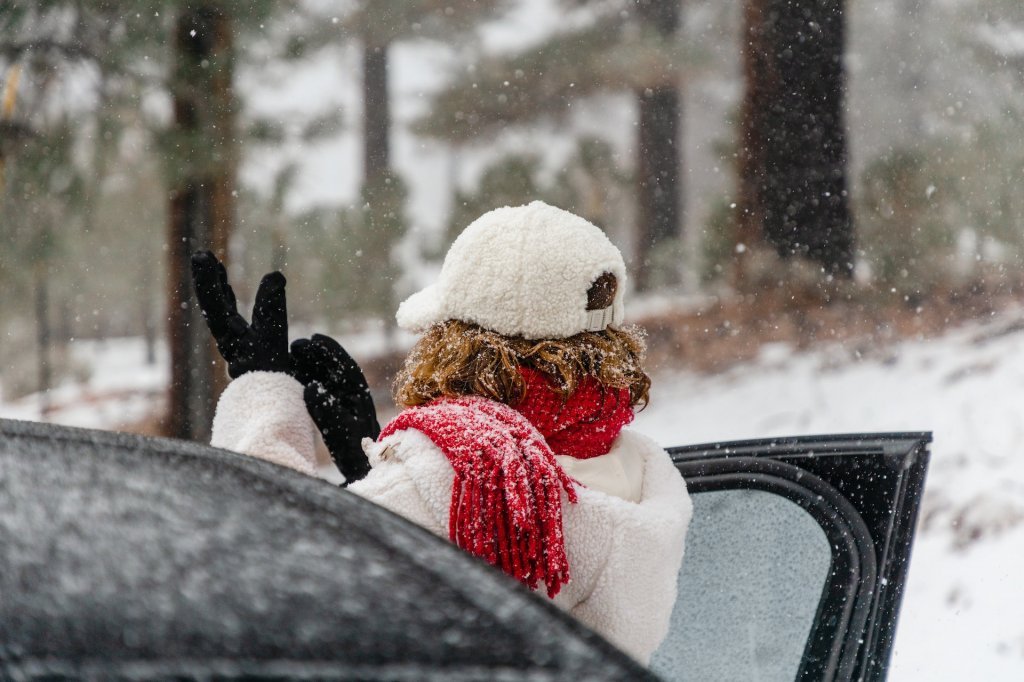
(336, 392)
(258, 347)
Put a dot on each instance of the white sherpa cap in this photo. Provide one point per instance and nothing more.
(522, 271)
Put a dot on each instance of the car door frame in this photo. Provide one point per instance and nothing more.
(864, 490)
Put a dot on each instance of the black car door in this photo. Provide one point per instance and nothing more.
(796, 557)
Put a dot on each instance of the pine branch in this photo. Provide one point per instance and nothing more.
(381, 23)
(13, 51)
(545, 81)
(13, 132)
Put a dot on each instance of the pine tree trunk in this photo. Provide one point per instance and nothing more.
(382, 191)
(760, 84)
(43, 337)
(201, 208)
(659, 200)
(149, 330)
(376, 114)
(8, 102)
(913, 65)
(793, 158)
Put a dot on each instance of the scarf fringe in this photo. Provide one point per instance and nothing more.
(506, 505)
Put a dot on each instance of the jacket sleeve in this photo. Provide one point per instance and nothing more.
(411, 477)
(263, 414)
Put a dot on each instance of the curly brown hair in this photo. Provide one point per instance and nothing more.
(456, 358)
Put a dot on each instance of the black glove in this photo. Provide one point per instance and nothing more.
(261, 346)
(338, 399)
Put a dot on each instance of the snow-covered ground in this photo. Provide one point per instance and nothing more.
(961, 615)
(119, 387)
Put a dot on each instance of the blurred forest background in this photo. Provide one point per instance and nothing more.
(772, 169)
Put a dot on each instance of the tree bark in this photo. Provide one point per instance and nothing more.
(659, 199)
(793, 157)
(8, 102)
(43, 337)
(201, 208)
(382, 190)
(376, 114)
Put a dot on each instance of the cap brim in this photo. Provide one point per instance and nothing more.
(421, 310)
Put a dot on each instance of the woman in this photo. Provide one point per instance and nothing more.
(512, 443)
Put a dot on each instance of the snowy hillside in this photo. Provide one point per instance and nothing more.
(960, 618)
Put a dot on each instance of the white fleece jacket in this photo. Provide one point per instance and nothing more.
(624, 556)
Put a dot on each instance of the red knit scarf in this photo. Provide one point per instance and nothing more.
(506, 505)
(584, 425)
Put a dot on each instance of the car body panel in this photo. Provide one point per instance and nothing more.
(140, 557)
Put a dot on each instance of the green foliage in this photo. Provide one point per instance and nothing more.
(983, 177)
(55, 165)
(42, 194)
(509, 181)
(322, 126)
(381, 22)
(340, 262)
(718, 242)
(369, 239)
(905, 238)
(543, 82)
(591, 184)
(944, 211)
(94, 237)
(109, 34)
(594, 183)
(352, 268)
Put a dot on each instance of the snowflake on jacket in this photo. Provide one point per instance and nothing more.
(512, 444)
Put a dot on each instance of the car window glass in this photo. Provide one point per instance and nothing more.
(749, 588)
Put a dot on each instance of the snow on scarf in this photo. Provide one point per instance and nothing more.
(507, 495)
